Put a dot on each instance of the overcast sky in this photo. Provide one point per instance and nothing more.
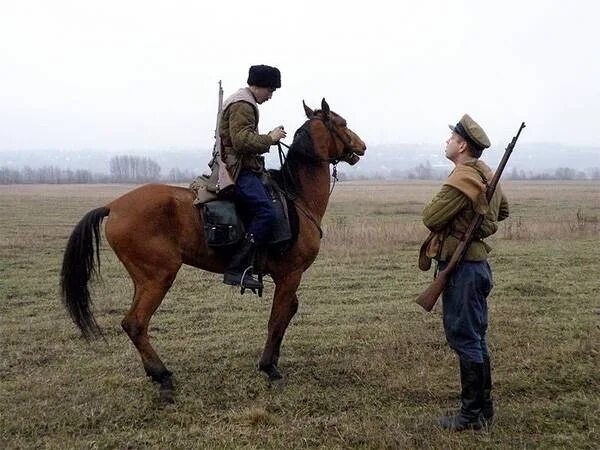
(127, 74)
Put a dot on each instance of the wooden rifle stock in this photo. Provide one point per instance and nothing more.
(429, 296)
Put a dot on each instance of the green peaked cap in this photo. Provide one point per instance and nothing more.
(472, 132)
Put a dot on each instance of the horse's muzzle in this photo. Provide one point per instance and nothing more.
(352, 159)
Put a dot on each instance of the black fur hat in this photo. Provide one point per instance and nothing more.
(264, 76)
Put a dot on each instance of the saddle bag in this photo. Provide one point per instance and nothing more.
(222, 226)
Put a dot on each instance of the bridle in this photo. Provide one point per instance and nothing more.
(333, 134)
(346, 151)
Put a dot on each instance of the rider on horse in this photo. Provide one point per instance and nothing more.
(242, 147)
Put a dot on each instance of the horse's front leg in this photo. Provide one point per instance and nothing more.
(285, 305)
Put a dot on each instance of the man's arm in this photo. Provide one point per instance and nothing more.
(242, 125)
(446, 204)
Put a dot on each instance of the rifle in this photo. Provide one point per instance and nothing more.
(224, 181)
(217, 148)
(429, 296)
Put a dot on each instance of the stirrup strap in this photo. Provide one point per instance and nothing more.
(249, 268)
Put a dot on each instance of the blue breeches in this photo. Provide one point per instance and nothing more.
(465, 309)
(252, 198)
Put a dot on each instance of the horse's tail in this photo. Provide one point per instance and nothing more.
(79, 265)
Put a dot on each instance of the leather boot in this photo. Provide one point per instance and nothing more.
(487, 407)
(240, 266)
(469, 416)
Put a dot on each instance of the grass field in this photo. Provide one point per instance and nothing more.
(364, 366)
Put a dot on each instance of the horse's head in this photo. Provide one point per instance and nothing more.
(332, 137)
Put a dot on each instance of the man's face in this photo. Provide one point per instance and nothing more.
(454, 146)
(263, 94)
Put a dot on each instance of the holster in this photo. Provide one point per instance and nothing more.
(431, 248)
(424, 259)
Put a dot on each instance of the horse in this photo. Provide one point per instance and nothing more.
(155, 228)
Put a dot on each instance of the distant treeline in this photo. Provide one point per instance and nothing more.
(123, 169)
(428, 172)
(135, 169)
(562, 173)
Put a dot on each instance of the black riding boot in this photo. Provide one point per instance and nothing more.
(469, 416)
(240, 266)
(487, 407)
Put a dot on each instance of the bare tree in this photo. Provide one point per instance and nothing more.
(133, 169)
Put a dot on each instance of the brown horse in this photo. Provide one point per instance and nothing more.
(155, 229)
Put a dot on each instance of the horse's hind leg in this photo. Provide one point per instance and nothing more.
(148, 295)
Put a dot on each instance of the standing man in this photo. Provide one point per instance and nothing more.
(465, 310)
(242, 147)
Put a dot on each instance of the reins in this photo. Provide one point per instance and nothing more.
(334, 175)
(289, 196)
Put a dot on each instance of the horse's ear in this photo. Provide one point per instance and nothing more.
(309, 112)
(325, 106)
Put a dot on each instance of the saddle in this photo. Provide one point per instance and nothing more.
(224, 223)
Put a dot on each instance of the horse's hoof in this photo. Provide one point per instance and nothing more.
(167, 396)
(271, 371)
(167, 391)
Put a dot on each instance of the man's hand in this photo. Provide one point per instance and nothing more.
(277, 134)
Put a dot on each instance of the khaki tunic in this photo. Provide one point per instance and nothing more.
(242, 145)
(452, 209)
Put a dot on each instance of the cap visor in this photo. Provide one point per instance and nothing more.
(451, 127)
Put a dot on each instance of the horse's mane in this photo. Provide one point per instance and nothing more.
(301, 152)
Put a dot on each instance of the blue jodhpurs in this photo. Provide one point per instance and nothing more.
(253, 200)
(465, 309)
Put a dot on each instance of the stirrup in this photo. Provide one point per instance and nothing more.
(255, 290)
(258, 291)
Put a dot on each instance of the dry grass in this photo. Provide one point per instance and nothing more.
(386, 215)
(364, 366)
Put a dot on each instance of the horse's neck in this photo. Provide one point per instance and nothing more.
(315, 188)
